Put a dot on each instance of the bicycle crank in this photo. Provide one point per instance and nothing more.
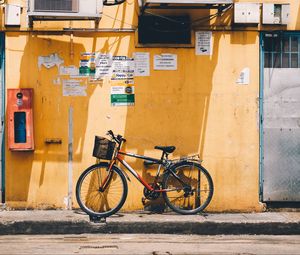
(151, 194)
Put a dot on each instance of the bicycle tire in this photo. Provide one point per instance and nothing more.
(99, 203)
(197, 198)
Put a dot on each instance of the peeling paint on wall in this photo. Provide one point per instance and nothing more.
(50, 61)
(56, 80)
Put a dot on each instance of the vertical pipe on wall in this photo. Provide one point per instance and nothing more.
(260, 114)
(72, 47)
(70, 159)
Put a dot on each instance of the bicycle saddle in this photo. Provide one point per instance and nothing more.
(167, 149)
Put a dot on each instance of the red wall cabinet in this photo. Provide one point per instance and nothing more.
(20, 119)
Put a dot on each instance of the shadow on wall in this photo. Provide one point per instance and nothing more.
(27, 171)
(31, 176)
(171, 108)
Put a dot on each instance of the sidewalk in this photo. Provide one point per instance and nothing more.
(76, 222)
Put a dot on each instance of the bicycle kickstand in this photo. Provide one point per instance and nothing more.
(97, 219)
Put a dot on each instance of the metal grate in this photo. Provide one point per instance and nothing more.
(281, 133)
(281, 51)
(56, 5)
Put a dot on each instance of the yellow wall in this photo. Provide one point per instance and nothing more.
(199, 108)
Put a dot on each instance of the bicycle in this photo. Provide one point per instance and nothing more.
(101, 190)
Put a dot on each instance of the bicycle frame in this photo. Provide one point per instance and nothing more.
(119, 155)
(160, 162)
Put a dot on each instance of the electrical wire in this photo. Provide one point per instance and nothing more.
(168, 31)
(212, 16)
(121, 21)
(165, 17)
(204, 20)
(201, 20)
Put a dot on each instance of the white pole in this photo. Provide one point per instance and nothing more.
(70, 158)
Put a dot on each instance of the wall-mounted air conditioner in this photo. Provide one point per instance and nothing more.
(65, 9)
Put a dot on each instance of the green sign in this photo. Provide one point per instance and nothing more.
(122, 99)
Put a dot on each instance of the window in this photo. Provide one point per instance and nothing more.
(164, 30)
(281, 51)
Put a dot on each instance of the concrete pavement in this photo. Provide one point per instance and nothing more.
(149, 244)
(76, 222)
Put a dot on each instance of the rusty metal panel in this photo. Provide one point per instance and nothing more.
(281, 134)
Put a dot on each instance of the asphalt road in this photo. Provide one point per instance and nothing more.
(132, 244)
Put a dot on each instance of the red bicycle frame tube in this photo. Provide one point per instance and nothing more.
(118, 156)
(133, 172)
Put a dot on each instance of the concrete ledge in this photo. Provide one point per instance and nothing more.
(66, 222)
(205, 228)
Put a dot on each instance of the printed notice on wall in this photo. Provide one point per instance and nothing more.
(203, 43)
(103, 64)
(165, 62)
(141, 63)
(122, 68)
(122, 95)
(73, 88)
(122, 80)
(244, 77)
(69, 70)
(87, 66)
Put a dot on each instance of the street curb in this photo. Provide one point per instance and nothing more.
(149, 227)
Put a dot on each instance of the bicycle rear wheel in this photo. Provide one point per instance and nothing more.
(97, 200)
(189, 188)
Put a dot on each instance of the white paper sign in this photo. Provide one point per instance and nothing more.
(165, 62)
(69, 70)
(103, 65)
(73, 88)
(121, 90)
(141, 63)
(122, 68)
(203, 43)
(244, 78)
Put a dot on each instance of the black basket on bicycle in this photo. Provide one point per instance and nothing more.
(103, 148)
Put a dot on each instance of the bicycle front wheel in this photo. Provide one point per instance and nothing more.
(189, 188)
(100, 192)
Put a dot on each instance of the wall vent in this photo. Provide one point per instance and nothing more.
(64, 10)
(56, 5)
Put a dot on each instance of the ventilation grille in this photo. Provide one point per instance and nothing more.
(56, 5)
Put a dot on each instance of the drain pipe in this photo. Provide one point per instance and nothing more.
(70, 159)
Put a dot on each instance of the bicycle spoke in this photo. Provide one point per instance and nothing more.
(191, 192)
(95, 199)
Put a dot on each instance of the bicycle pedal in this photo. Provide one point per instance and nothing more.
(143, 200)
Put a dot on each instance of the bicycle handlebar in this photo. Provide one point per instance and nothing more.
(118, 139)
